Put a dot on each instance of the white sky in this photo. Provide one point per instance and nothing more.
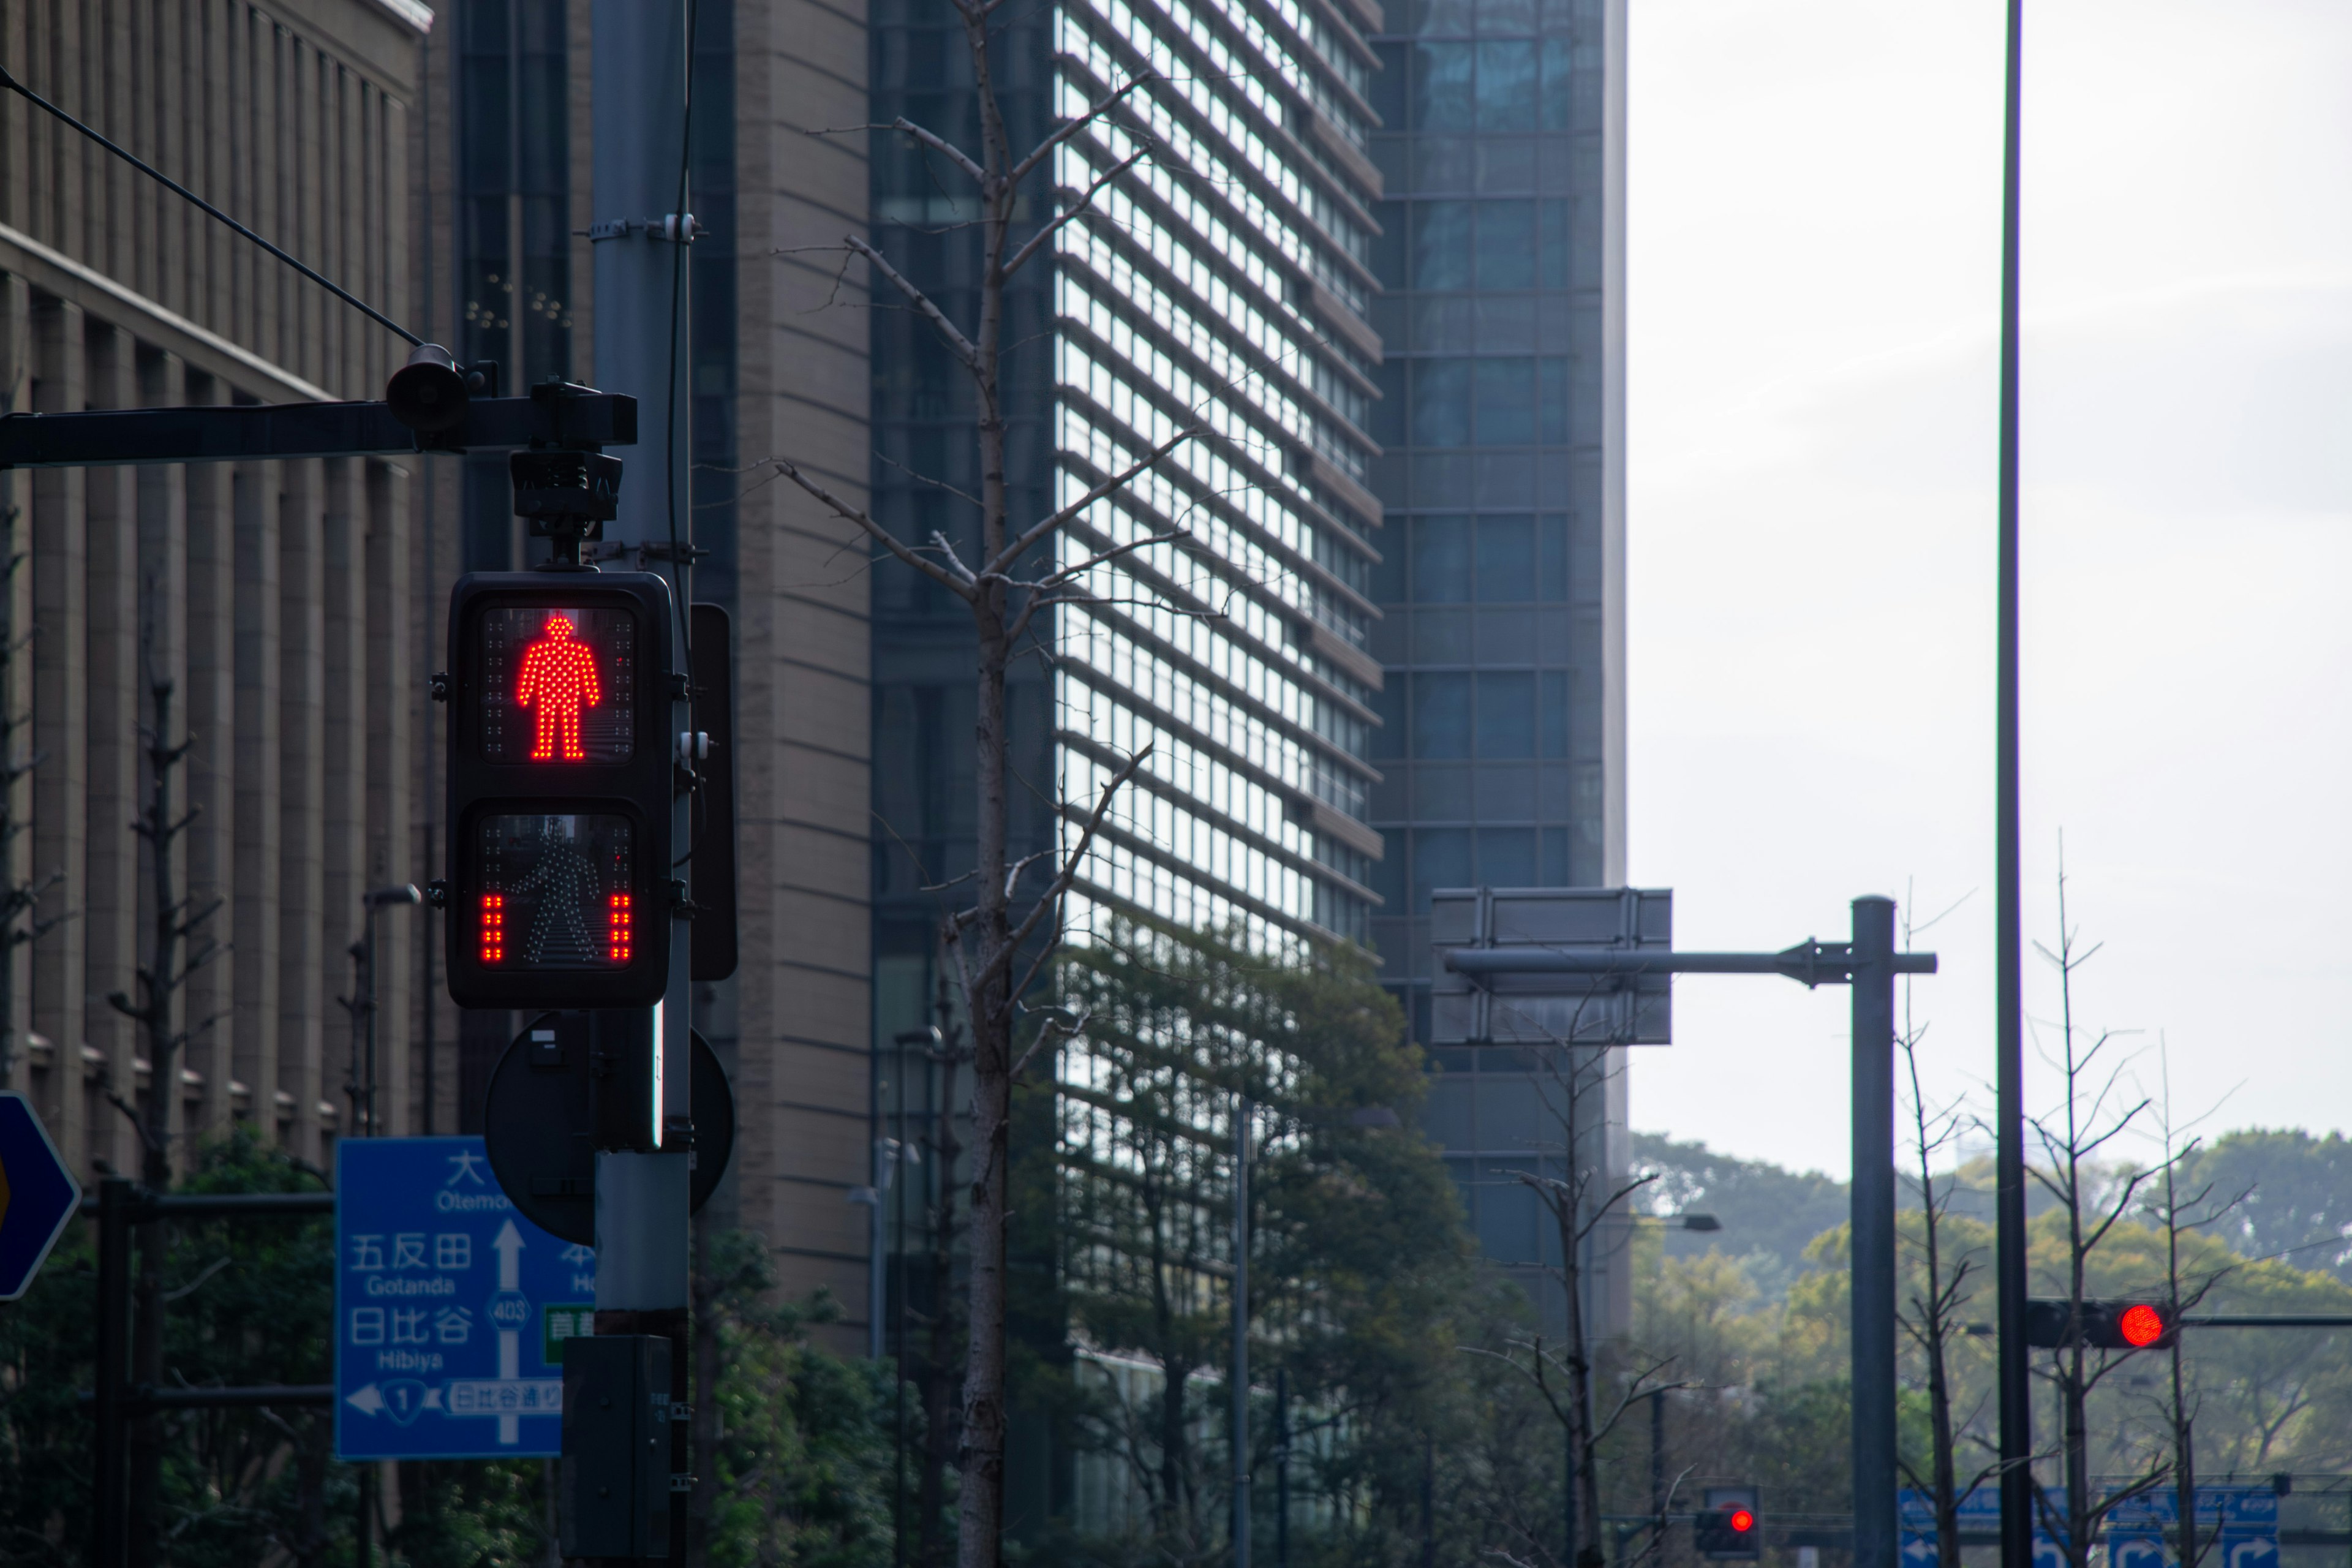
(1815, 249)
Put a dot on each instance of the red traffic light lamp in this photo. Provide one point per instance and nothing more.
(2140, 1325)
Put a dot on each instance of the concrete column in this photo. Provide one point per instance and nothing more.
(344, 818)
(253, 1055)
(302, 923)
(395, 695)
(59, 734)
(17, 491)
(108, 894)
(209, 700)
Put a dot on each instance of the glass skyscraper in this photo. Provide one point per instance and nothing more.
(1222, 286)
(1502, 149)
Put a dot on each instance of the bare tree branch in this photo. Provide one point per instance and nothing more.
(942, 146)
(1063, 132)
(875, 531)
(963, 348)
(1010, 556)
(1052, 897)
(1061, 220)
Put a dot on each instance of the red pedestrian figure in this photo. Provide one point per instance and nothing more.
(559, 674)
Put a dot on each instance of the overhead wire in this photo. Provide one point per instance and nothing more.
(13, 85)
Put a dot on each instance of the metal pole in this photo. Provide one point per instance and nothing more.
(1658, 1460)
(367, 1011)
(1872, 1297)
(639, 92)
(2016, 1402)
(109, 1535)
(1282, 1468)
(1241, 1332)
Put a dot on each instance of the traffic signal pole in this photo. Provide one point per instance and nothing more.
(1873, 1198)
(1869, 964)
(638, 100)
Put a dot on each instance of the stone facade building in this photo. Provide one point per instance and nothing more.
(278, 598)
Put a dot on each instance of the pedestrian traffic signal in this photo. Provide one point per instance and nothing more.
(2110, 1325)
(1728, 1529)
(560, 787)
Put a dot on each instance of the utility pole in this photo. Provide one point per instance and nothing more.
(1872, 1296)
(1241, 1331)
(2014, 1385)
(639, 95)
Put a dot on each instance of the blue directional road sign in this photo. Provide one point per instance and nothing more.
(450, 1308)
(37, 1194)
(2246, 1519)
(1978, 1512)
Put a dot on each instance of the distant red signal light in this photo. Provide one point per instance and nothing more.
(1741, 1521)
(2141, 1325)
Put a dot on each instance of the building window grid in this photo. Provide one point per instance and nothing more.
(1096, 713)
(1222, 247)
(1104, 636)
(1203, 868)
(1173, 135)
(1236, 563)
(1155, 496)
(1238, 521)
(1127, 610)
(1103, 248)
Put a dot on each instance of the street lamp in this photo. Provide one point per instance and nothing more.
(362, 1010)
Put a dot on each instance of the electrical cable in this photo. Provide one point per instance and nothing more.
(183, 192)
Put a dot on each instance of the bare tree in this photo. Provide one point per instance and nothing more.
(1573, 1081)
(999, 946)
(943, 1327)
(2177, 1212)
(1932, 1318)
(178, 947)
(2093, 1198)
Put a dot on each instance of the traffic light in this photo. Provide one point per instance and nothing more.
(561, 781)
(1728, 1528)
(2110, 1325)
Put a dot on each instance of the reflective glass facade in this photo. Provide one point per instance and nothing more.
(1223, 286)
(1501, 579)
(1220, 286)
(1199, 297)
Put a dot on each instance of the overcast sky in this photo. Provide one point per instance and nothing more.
(1815, 248)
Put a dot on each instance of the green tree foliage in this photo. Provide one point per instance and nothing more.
(1769, 1214)
(245, 1302)
(2298, 1195)
(803, 1468)
(1364, 1281)
(1773, 1401)
(804, 1456)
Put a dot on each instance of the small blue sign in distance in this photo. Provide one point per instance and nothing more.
(450, 1307)
(37, 1194)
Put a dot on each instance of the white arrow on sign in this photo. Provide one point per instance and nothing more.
(508, 1243)
(368, 1401)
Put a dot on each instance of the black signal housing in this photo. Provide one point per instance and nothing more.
(561, 784)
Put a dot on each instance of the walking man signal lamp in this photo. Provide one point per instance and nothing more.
(559, 677)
